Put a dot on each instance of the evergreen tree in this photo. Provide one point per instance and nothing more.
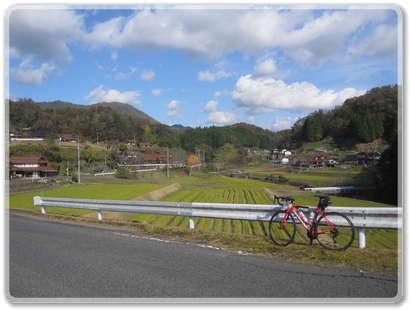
(386, 176)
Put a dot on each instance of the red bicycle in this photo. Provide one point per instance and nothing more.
(332, 230)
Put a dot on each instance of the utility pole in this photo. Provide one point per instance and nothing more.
(78, 158)
(168, 162)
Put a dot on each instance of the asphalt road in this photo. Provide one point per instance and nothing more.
(54, 261)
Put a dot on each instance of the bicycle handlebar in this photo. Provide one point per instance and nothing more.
(283, 198)
(323, 202)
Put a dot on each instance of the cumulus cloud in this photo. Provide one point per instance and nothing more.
(173, 108)
(42, 37)
(147, 75)
(210, 106)
(306, 36)
(221, 117)
(157, 91)
(26, 73)
(279, 123)
(102, 94)
(212, 76)
(266, 95)
(266, 67)
(309, 37)
(218, 117)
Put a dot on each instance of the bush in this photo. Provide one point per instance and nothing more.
(276, 179)
(123, 173)
(299, 183)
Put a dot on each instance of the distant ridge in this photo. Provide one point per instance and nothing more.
(120, 108)
(127, 109)
(180, 127)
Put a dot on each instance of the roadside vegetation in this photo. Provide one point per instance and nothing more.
(237, 166)
(249, 237)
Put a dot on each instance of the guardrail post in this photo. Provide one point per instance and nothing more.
(43, 209)
(361, 238)
(99, 215)
(191, 221)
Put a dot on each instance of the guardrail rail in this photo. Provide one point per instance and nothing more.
(362, 218)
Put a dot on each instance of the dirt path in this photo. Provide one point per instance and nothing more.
(155, 195)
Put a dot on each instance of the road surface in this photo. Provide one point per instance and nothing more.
(60, 261)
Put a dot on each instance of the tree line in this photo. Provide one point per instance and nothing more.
(364, 119)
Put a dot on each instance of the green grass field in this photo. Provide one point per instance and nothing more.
(205, 189)
(380, 256)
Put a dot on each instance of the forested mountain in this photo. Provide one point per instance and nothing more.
(361, 119)
(120, 108)
(364, 119)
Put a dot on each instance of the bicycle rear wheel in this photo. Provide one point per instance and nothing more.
(340, 237)
(282, 233)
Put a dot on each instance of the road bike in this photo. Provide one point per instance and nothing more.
(332, 230)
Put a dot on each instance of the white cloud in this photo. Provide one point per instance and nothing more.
(147, 75)
(279, 124)
(266, 67)
(310, 37)
(212, 76)
(157, 91)
(99, 67)
(41, 37)
(101, 94)
(172, 108)
(27, 74)
(222, 117)
(125, 76)
(266, 95)
(218, 117)
(382, 43)
(210, 106)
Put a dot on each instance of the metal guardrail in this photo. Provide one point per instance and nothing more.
(362, 218)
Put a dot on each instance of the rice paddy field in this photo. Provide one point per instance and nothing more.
(382, 254)
(205, 188)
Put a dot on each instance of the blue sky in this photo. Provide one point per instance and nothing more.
(204, 65)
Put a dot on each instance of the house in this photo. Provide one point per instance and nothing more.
(319, 160)
(100, 168)
(362, 158)
(67, 137)
(146, 145)
(30, 166)
(332, 162)
(42, 132)
(15, 134)
(350, 159)
(155, 158)
(129, 142)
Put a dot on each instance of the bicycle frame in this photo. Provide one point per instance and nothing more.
(310, 227)
(324, 224)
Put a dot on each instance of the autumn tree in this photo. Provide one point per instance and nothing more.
(89, 154)
(191, 162)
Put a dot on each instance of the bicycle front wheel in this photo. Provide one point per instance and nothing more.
(334, 231)
(282, 231)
